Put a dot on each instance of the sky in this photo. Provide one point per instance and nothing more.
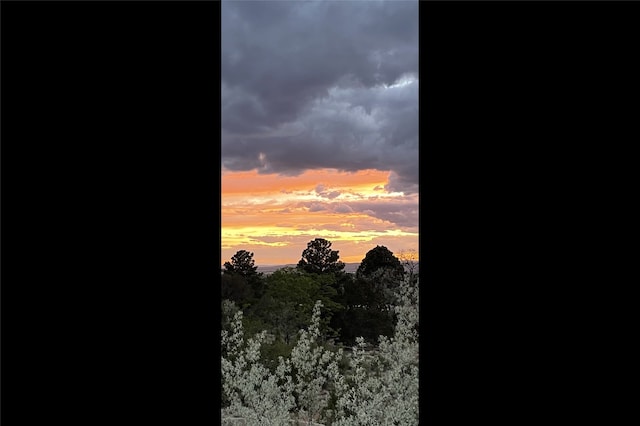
(319, 127)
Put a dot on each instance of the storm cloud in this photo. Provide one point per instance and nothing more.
(321, 84)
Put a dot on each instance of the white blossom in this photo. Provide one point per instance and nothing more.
(381, 387)
(255, 395)
(384, 387)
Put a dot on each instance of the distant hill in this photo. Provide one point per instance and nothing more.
(268, 269)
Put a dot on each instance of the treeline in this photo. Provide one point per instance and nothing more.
(355, 305)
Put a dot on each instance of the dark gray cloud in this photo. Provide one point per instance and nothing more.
(403, 212)
(321, 84)
(323, 192)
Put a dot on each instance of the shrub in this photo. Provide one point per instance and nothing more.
(384, 387)
(378, 387)
(254, 394)
(271, 353)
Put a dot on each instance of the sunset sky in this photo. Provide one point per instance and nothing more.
(319, 127)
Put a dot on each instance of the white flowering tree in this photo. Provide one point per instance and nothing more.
(381, 388)
(314, 366)
(384, 387)
(255, 395)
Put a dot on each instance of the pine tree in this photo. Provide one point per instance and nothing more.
(241, 263)
(318, 258)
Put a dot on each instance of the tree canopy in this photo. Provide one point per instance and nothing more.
(244, 272)
(368, 297)
(289, 299)
(234, 287)
(318, 258)
(359, 304)
(378, 258)
(241, 263)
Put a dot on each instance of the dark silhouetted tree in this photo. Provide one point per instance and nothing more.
(318, 258)
(369, 297)
(242, 264)
(383, 273)
(378, 258)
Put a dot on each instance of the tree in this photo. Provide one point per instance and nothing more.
(378, 258)
(383, 270)
(234, 287)
(289, 299)
(318, 258)
(368, 298)
(256, 395)
(384, 387)
(379, 387)
(366, 312)
(249, 390)
(241, 263)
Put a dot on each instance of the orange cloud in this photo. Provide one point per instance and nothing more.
(275, 216)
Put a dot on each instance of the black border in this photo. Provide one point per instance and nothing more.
(108, 223)
(110, 212)
(527, 123)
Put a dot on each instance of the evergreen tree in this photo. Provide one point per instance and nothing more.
(383, 271)
(378, 258)
(241, 263)
(318, 258)
(369, 297)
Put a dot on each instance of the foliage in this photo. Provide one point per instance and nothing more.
(382, 272)
(241, 280)
(228, 310)
(261, 397)
(378, 258)
(289, 299)
(252, 392)
(313, 366)
(364, 322)
(384, 387)
(272, 350)
(235, 287)
(378, 388)
(369, 297)
(318, 258)
(241, 263)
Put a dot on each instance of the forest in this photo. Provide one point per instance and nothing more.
(313, 344)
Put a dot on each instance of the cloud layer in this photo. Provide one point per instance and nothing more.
(314, 85)
(275, 216)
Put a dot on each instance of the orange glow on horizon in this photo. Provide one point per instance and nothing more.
(275, 216)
